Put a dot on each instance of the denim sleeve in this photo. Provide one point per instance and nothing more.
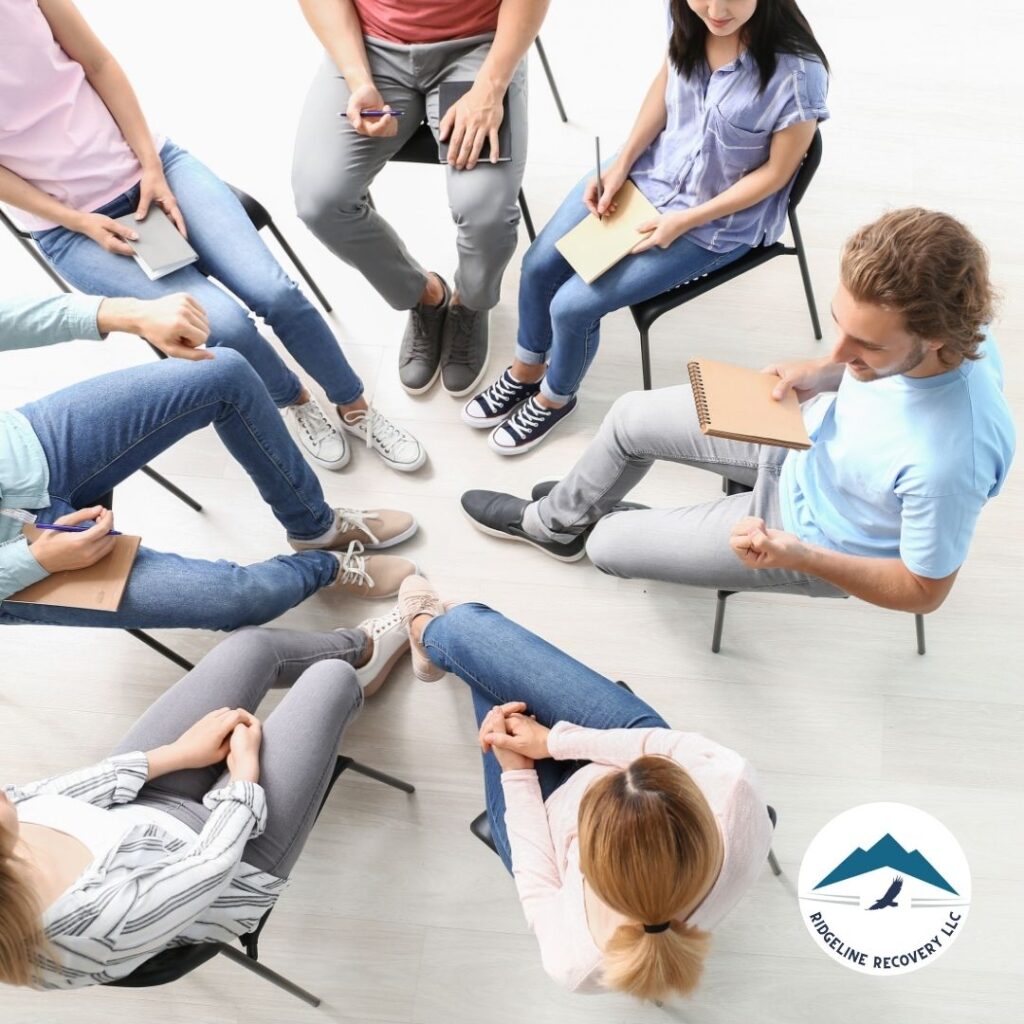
(807, 86)
(18, 568)
(33, 322)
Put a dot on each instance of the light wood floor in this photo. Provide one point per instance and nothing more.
(396, 912)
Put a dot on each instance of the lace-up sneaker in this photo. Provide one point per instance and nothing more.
(419, 359)
(370, 575)
(396, 447)
(390, 641)
(496, 403)
(374, 529)
(465, 346)
(418, 597)
(528, 426)
(316, 435)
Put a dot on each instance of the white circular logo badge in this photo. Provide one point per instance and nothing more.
(884, 889)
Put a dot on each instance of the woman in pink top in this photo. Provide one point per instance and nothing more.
(628, 841)
(76, 154)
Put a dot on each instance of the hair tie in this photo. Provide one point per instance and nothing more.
(653, 929)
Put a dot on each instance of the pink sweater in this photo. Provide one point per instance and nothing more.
(545, 849)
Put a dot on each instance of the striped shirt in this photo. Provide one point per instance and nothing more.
(719, 127)
(151, 890)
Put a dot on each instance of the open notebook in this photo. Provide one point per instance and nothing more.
(160, 249)
(98, 587)
(737, 403)
(597, 244)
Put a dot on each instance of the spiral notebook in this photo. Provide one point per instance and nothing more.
(737, 403)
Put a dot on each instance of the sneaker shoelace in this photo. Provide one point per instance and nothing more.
(462, 350)
(353, 567)
(313, 422)
(419, 604)
(503, 390)
(355, 519)
(381, 433)
(376, 628)
(527, 418)
(421, 346)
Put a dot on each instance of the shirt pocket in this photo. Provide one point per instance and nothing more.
(735, 151)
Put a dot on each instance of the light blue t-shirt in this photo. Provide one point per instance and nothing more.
(901, 467)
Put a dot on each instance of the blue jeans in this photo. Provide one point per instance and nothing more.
(230, 250)
(560, 315)
(98, 433)
(502, 662)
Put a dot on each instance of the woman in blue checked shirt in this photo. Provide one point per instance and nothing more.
(715, 148)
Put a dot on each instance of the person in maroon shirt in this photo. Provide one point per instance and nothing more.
(386, 55)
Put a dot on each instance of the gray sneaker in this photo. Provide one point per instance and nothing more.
(419, 359)
(465, 347)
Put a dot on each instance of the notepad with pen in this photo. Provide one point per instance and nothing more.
(736, 403)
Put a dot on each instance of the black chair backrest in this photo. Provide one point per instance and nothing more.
(806, 171)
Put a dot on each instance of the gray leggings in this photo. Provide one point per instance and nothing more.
(300, 738)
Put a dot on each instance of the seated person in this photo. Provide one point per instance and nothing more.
(915, 439)
(82, 155)
(628, 841)
(61, 454)
(715, 148)
(190, 829)
(384, 55)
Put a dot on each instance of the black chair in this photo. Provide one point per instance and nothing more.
(480, 826)
(733, 487)
(551, 79)
(647, 312)
(176, 961)
(422, 149)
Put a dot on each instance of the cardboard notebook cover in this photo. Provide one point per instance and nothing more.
(98, 587)
(450, 93)
(597, 244)
(737, 403)
(160, 249)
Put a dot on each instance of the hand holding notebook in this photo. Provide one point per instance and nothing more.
(160, 248)
(737, 403)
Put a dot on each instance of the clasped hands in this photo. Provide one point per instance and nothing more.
(515, 738)
(227, 734)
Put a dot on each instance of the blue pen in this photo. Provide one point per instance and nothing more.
(71, 529)
(378, 113)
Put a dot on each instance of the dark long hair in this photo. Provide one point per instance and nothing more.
(777, 26)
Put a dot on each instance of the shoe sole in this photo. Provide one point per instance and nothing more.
(399, 467)
(378, 680)
(521, 449)
(501, 535)
(479, 377)
(426, 387)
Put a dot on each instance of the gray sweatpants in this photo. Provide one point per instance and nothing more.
(334, 166)
(300, 737)
(689, 544)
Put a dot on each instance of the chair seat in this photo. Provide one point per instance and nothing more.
(254, 210)
(646, 312)
(169, 965)
(420, 149)
(480, 826)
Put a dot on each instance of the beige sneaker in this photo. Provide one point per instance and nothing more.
(390, 642)
(417, 597)
(370, 575)
(374, 529)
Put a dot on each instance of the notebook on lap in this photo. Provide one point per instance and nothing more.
(161, 249)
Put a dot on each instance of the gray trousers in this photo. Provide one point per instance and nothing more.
(334, 166)
(689, 544)
(300, 738)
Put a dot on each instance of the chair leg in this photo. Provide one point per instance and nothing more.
(645, 356)
(161, 649)
(773, 863)
(388, 780)
(919, 626)
(173, 488)
(527, 219)
(268, 975)
(716, 636)
(299, 266)
(551, 80)
(805, 273)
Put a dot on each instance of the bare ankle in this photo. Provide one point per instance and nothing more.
(418, 625)
(527, 373)
(433, 291)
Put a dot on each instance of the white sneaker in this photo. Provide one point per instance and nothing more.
(397, 447)
(390, 641)
(317, 436)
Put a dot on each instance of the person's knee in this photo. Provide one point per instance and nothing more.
(230, 325)
(333, 686)
(627, 420)
(461, 626)
(227, 374)
(323, 205)
(538, 264)
(247, 647)
(606, 545)
(571, 310)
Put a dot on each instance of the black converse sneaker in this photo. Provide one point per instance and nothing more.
(527, 426)
(494, 405)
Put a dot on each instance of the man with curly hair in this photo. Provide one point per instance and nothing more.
(911, 432)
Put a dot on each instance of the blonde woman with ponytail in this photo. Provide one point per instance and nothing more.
(628, 840)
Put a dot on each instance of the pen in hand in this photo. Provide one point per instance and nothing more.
(71, 529)
(600, 186)
(379, 113)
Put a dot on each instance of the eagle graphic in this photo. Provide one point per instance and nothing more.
(889, 899)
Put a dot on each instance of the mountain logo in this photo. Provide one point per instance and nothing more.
(884, 857)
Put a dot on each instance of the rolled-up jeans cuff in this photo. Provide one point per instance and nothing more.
(531, 358)
(551, 395)
(534, 525)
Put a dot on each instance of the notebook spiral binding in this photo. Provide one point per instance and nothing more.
(699, 397)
